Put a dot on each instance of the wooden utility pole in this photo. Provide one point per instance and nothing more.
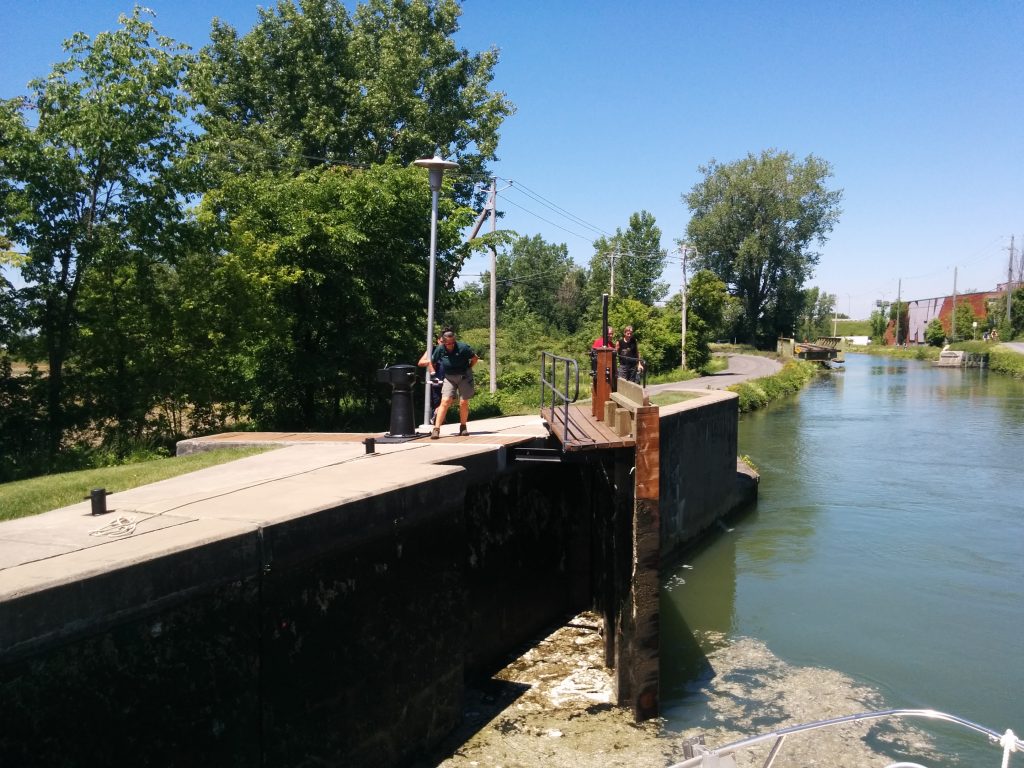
(899, 308)
(612, 257)
(952, 317)
(493, 362)
(1009, 287)
(682, 290)
(491, 209)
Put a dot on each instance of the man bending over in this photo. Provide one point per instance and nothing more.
(458, 360)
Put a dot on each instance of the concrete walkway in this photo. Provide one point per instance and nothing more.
(309, 473)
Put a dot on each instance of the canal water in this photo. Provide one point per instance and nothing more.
(883, 565)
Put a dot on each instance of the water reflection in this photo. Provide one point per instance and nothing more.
(888, 543)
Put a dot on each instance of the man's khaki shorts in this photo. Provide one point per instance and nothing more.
(458, 382)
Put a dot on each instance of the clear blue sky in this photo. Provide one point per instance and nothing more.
(918, 106)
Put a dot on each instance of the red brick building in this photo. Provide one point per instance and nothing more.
(921, 312)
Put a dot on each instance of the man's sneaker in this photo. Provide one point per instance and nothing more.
(435, 433)
(463, 430)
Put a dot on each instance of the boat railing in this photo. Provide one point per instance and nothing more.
(721, 756)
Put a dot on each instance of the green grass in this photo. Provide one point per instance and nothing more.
(853, 327)
(670, 397)
(913, 352)
(40, 494)
(757, 393)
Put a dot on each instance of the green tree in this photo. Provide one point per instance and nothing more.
(638, 260)
(900, 321)
(90, 182)
(312, 83)
(545, 278)
(336, 262)
(817, 314)
(707, 301)
(878, 325)
(754, 223)
(964, 320)
(997, 315)
(935, 334)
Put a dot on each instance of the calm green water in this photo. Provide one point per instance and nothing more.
(887, 544)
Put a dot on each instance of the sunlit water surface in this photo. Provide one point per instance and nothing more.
(887, 546)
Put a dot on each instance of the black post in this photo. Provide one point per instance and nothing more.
(98, 497)
(604, 319)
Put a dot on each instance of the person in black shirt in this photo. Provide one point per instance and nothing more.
(458, 359)
(630, 366)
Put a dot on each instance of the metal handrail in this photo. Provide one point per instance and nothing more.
(1008, 741)
(547, 385)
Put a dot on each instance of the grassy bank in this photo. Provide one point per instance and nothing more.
(923, 352)
(757, 393)
(1006, 361)
(1001, 359)
(41, 494)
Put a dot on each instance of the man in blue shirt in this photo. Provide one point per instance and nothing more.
(458, 359)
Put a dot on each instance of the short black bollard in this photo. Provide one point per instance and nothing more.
(401, 378)
(371, 444)
(98, 496)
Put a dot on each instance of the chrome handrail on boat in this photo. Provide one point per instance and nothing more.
(710, 758)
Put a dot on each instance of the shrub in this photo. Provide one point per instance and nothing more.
(759, 392)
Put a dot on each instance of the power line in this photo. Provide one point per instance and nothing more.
(536, 196)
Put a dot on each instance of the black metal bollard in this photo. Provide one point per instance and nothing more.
(401, 378)
(98, 496)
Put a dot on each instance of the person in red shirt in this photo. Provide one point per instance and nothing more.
(599, 341)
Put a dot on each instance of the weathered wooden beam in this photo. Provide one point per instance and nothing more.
(645, 620)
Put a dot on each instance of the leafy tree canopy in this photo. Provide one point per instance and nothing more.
(545, 278)
(707, 302)
(935, 334)
(312, 83)
(754, 223)
(334, 266)
(818, 314)
(91, 180)
(637, 258)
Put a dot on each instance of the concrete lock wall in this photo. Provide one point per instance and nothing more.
(699, 481)
(342, 637)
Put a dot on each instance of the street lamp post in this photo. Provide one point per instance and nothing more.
(437, 167)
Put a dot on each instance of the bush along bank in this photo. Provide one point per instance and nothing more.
(1006, 361)
(757, 393)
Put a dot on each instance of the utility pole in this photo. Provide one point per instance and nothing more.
(1009, 286)
(493, 370)
(952, 317)
(682, 290)
(612, 257)
(899, 308)
(491, 209)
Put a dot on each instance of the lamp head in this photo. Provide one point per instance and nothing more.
(437, 166)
